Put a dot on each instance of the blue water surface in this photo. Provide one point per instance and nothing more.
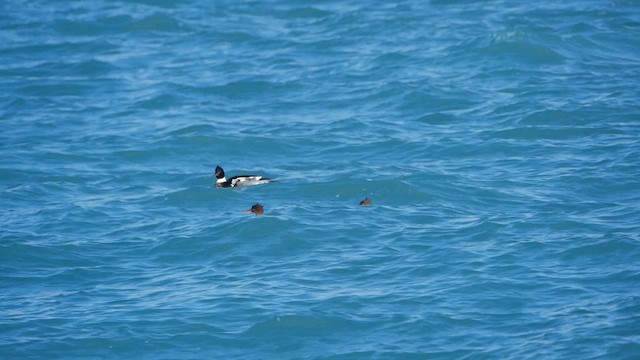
(499, 142)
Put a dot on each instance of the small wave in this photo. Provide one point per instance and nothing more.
(307, 13)
(298, 325)
(522, 52)
(243, 88)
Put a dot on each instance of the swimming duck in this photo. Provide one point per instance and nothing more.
(238, 181)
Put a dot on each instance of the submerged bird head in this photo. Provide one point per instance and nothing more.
(256, 209)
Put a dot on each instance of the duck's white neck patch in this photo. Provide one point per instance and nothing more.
(222, 180)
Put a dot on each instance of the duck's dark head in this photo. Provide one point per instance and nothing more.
(219, 172)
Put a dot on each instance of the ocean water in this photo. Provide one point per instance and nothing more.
(499, 142)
